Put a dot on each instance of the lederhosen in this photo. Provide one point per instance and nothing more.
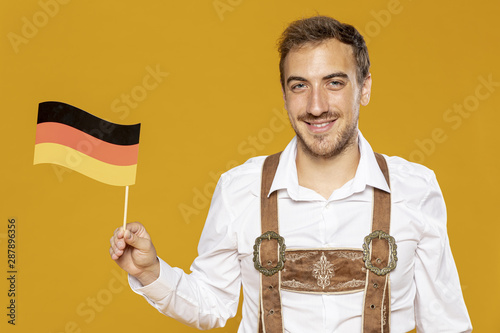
(324, 271)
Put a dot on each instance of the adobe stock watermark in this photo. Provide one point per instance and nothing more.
(381, 19)
(31, 25)
(122, 105)
(222, 7)
(249, 147)
(454, 117)
(92, 307)
(139, 93)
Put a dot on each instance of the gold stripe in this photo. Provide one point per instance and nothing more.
(72, 159)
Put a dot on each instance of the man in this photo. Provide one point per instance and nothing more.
(325, 184)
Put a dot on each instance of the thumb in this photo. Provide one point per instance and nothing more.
(135, 241)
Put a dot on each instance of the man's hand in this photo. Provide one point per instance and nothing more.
(134, 252)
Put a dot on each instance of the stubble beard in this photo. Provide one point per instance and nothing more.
(320, 147)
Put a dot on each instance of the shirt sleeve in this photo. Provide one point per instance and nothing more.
(439, 304)
(208, 296)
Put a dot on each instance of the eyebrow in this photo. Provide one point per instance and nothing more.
(295, 78)
(327, 77)
(337, 74)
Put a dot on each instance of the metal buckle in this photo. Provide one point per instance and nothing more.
(393, 258)
(281, 257)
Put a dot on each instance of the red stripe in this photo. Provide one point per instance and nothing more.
(87, 144)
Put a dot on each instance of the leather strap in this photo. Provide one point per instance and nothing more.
(376, 305)
(377, 300)
(271, 320)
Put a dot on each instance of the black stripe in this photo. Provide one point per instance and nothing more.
(58, 112)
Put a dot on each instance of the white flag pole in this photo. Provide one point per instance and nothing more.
(125, 212)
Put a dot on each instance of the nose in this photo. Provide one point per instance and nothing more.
(318, 102)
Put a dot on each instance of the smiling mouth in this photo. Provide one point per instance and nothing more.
(320, 125)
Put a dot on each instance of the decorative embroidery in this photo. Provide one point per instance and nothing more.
(297, 256)
(350, 284)
(298, 284)
(323, 271)
(350, 255)
(294, 284)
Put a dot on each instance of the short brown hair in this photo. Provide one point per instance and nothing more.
(317, 29)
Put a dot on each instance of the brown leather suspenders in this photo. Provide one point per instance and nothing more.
(270, 318)
(377, 301)
(269, 258)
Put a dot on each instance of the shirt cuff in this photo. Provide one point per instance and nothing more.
(157, 290)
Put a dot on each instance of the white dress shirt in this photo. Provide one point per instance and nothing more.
(425, 288)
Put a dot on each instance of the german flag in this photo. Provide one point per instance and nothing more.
(78, 140)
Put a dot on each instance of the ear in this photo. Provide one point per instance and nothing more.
(366, 90)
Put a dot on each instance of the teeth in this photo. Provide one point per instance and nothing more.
(320, 125)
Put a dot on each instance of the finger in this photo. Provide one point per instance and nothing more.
(117, 244)
(114, 254)
(138, 229)
(119, 232)
(134, 240)
(115, 248)
(118, 248)
(112, 240)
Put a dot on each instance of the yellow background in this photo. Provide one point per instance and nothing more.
(219, 105)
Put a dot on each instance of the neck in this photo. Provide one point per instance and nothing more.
(325, 175)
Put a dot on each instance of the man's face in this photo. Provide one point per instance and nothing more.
(322, 97)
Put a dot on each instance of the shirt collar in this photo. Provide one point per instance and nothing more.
(367, 173)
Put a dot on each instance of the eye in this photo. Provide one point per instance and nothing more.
(336, 85)
(298, 86)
